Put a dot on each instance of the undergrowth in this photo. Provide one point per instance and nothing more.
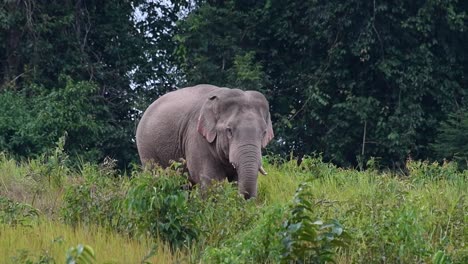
(311, 213)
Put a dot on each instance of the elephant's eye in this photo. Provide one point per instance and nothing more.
(229, 132)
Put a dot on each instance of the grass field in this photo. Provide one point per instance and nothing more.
(313, 213)
(48, 239)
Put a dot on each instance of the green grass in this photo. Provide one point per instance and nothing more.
(390, 218)
(395, 218)
(53, 239)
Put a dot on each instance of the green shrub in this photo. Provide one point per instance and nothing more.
(94, 198)
(260, 243)
(16, 120)
(221, 212)
(152, 204)
(306, 240)
(316, 168)
(32, 120)
(53, 165)
(299, 239)
(426, 171)
(158, 205)
(14, 213)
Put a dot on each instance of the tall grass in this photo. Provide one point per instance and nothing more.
(36, 182)
(396, 219)
(389, 218)
(51, 239)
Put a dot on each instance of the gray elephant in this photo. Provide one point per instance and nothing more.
(218, 131)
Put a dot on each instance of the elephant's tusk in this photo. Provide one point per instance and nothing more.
(262, 170)
(234, 166)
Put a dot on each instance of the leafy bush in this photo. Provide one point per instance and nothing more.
(306, 240)
(148, 204)
(53, 165)
(221, 212)
(260, 243)
(160, 206)
(426, 171)
(157, 205)
(14, 213)
(31, 123)
(300, 239)
(15, 120)
(94, 198)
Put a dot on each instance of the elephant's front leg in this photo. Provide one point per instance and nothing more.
(210, 173)
(205, 171)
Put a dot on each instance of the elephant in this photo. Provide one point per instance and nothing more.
(218, 131)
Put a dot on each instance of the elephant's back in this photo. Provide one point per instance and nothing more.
(187, 97)
(175, 106)
(164, 122)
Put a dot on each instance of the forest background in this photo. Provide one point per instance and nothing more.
(348, 80)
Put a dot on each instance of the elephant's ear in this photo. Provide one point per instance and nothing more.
(269, 132)
(207, 120)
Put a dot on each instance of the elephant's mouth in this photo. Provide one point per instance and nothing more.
(260, 169)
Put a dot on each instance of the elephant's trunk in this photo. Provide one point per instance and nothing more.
(248, 165)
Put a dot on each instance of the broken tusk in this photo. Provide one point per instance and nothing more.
(234, 166)
(262, 170)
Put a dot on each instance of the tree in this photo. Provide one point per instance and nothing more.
(348, 79)
(98, 44)
(452, 141)
(33, 124)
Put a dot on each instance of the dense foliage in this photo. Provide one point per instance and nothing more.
(77, 67)
(452, 141)
(351, 80)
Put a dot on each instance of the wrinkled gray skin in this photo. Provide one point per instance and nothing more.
(218, 131)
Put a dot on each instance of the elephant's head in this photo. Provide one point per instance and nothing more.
(239, 124)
